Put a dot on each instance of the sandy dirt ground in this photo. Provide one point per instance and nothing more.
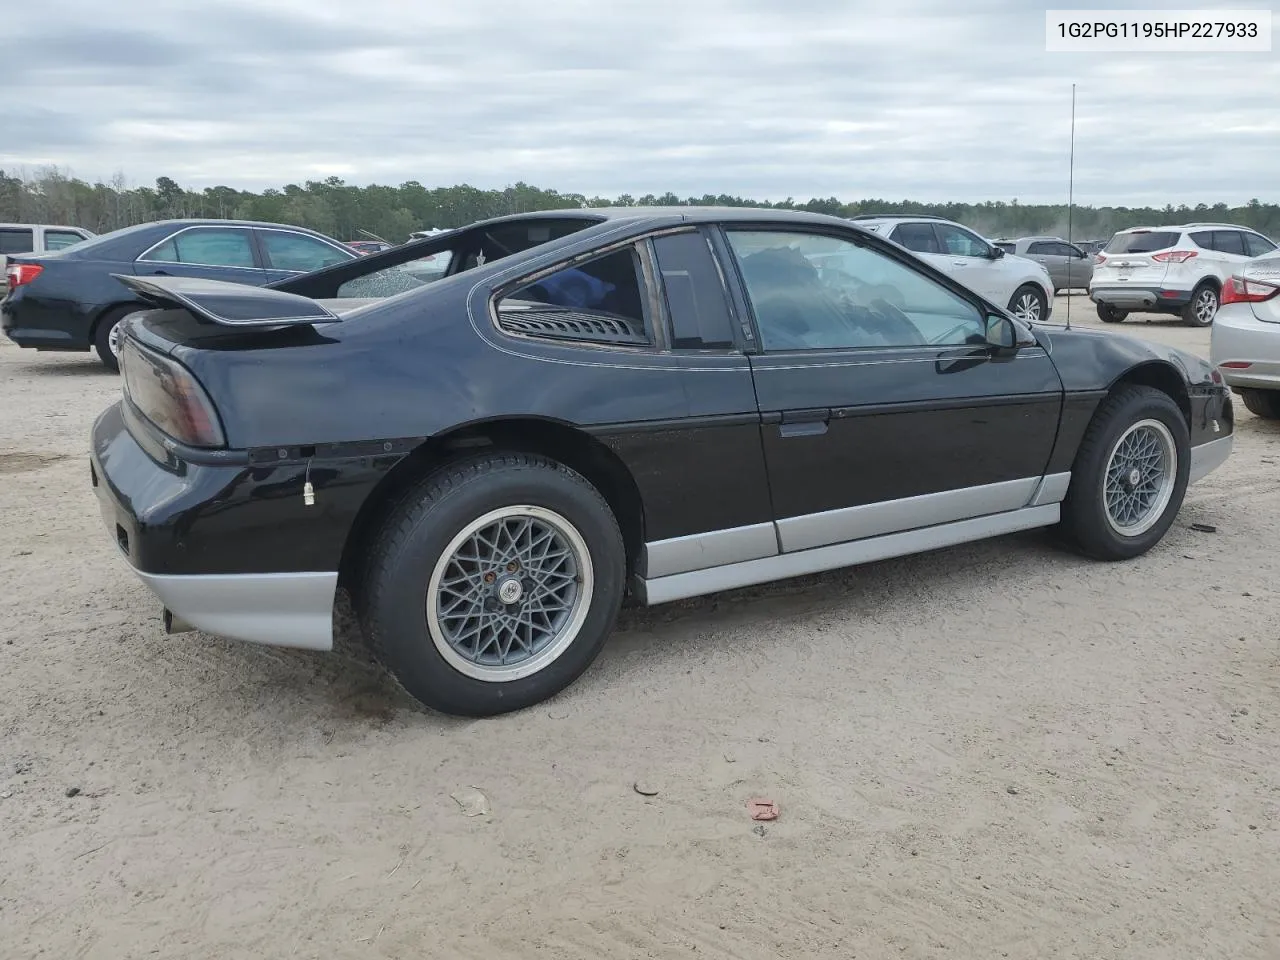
(997, 750)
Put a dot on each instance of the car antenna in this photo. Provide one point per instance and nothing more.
(1071, 183)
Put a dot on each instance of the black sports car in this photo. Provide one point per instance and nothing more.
(658, 402)
(69, 299)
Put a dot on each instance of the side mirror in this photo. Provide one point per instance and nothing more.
(997, 252)
(1001, 335)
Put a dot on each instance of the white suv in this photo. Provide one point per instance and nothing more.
(1022, 285)
(1178, 270)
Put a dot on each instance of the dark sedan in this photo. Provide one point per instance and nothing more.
(588, 404)
(69, 299)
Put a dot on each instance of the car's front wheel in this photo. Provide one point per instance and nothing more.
(1029, 303)
(494, 584)
(1202, 307)
(1129, 477)
(1262, 403)
(1109, 314)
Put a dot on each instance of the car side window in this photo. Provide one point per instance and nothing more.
(918, 237)
(1257, 245)
(208, 247)
(285, 250)
(60, 239)
(815, 292)
(1044, 248)
(600, 301)
(1228, 241)
(1071, 250)
(16, 240)
(961, 243)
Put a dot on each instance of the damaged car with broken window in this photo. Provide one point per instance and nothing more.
(566, 410)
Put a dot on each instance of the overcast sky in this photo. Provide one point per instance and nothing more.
(922, 99)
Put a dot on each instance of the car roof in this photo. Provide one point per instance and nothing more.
(1190, 226)
(45, 226)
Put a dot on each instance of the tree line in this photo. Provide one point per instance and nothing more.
(344, 210)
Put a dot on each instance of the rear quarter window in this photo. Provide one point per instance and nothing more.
(1146, 241)
(16, 241)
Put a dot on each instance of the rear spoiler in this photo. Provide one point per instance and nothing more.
(229, 304)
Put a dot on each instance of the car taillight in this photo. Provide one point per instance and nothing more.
(168, 394)
(1173, 256)
(1241, 290)
(20, 274)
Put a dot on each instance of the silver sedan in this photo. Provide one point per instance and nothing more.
(1244, 343)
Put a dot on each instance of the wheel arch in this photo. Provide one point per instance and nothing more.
(108, 310)
(559, 441)
(1160, 375)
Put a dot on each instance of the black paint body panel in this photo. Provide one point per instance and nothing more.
(699, 433)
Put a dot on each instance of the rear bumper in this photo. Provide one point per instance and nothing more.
(40, 329)
(1208, 457)
(277, 609)
(196, 535)
(1124, 297)
(1237, 337)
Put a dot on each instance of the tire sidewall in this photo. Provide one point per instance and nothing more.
(1087, 499)
(399, 613)
(1109, 314)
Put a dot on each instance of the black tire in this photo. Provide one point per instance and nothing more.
(102, 336)
(1085, 523)
(1033, 291)
(1262, 403)
(394, 599)
(1109, 314)
(1194, 313)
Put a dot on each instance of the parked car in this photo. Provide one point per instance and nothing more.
(1070, 268)
(1022, 286)
(490, 461)
(18, 238)
(70, 300)
(1245, 340)
(1176, 270)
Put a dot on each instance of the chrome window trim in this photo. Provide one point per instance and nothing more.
(142, 257)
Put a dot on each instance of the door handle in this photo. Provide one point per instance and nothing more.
(804, 423)
(959, 263)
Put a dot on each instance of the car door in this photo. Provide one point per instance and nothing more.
(287, 253)
(1052, 255)
(212, 252)
(882, 406)
(971, 260)
(1078, 267)
(1231, 250)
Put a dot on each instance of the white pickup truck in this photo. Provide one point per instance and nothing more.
(37, 238)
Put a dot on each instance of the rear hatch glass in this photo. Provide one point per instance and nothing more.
(1143, 241)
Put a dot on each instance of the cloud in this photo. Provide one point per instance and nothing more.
(927, 100)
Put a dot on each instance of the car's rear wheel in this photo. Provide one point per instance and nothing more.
(106, 337)
(1202, 307)
(494, 584)
(1130, 475)
(1109, 314)
(1262, 403)
(1029, 303)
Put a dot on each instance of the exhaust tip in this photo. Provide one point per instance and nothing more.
(175, 624)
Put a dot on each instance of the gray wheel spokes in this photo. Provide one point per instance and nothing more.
(1139, 477)
(508, 591)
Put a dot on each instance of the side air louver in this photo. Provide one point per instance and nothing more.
(571, 325)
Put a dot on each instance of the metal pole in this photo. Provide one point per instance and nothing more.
(1071, 182)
